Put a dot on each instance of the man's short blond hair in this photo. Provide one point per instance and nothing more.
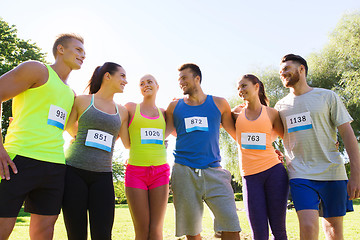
(63, 39)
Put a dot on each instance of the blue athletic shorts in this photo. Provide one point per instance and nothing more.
(329, 197)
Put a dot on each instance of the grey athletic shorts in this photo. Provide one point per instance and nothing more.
(192, 187)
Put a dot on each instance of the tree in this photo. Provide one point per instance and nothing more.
(118, 170)
(14, 51)
(337, 65)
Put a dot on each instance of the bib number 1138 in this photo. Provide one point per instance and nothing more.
(299, 122)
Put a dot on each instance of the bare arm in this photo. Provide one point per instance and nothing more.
(124, 130)
(226, 119)
(352, 149)
(4, 157)
(278, 126)
(170, 128)
(235, 112)
(26, 75)
(71, 126)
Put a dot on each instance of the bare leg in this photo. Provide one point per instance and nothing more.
(158, 198)
(138, 201)
(42, 227)
(309, 224)
(333, 228)
(197, 237)
(6, 227)
(230, 236)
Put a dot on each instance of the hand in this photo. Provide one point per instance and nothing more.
(10, 120)
(353, 187)
(280, 155)
(5, 161)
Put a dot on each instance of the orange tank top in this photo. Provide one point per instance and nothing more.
(256, 152)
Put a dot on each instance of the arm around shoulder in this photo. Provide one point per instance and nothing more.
(235, 112)
(124, 130)
(278, 126)
(226, 119)
(27, 75)
(169, 116)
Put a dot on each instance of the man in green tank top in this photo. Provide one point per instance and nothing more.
(31, 160)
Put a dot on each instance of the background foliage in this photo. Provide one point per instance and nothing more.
(14, 51)
(335, 67)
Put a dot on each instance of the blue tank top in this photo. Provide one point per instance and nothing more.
(197, 128)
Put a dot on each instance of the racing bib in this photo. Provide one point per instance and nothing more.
(196, 124)
(152, 135)
(255, 141)
(299, 122)
(99, 139)
(57, 117)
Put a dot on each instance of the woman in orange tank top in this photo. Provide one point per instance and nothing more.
(264, 178)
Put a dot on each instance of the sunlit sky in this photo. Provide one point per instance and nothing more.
(225, 38)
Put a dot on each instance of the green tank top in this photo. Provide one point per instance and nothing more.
(40, 115)
(147, 139)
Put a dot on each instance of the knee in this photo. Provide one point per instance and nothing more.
(308, 226)
(155, 233)
(280, 235)
(333, 229)
(142, 234)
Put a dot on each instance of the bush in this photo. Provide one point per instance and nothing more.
(170, 200)
(238, 196)
(119, 189)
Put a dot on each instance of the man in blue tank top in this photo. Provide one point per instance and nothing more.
(197, 175)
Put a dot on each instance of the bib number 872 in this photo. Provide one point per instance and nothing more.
(196, 121)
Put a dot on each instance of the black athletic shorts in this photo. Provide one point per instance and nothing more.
(40, 184)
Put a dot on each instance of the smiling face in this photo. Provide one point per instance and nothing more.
(118, 80)
(148, 85)
(73, 53)
(187, 81)
(290, 73)
(247, 90)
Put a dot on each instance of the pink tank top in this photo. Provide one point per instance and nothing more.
(256, 152)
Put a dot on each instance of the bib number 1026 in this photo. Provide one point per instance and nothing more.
(151, 136)
(150, 133)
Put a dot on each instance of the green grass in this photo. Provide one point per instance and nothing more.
(123, 228)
